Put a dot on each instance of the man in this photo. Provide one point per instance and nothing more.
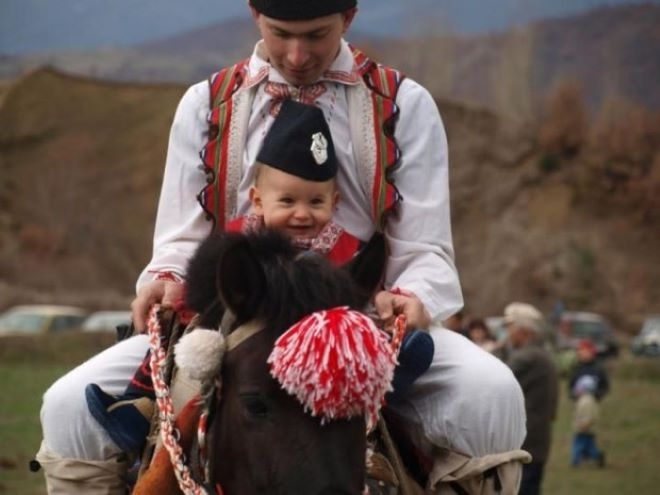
(396, 181)
(536, 372)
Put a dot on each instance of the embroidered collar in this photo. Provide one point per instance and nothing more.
(323, 243)
(342, 70)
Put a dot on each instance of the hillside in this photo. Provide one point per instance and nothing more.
(81, 164)
(80, 168)
(610, 51)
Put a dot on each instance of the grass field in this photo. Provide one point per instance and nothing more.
(630, 421)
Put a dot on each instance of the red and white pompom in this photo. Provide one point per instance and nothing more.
(199, 353)
(337, 363)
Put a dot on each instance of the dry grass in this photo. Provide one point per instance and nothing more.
(629, 433)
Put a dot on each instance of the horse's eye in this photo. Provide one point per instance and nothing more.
(255, 405)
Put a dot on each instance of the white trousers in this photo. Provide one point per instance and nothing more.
(69, 430)
(467, 402)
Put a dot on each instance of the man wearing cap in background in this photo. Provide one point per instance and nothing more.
(393, 177)
(535, 370)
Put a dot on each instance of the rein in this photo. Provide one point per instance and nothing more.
(169, 434)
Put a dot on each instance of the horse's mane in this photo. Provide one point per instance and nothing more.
(293, 283)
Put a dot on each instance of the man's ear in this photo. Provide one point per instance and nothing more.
(348, 16)
(254, 13)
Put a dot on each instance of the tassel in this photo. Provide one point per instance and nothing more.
(337, 363)
(199, 353)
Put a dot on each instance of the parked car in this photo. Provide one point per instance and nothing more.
(40, 318)
(647, 342)
(574, 326)
(106, 321)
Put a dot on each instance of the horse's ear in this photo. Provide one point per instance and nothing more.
(241, 280)
(201, 293)
(368, 265)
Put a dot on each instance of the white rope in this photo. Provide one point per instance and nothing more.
(168, 432)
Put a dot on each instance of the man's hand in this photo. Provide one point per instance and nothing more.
(390, 304)
(165, 292)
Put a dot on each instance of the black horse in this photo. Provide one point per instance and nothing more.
(260, 438)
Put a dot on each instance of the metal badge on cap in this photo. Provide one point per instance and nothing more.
(319, 148)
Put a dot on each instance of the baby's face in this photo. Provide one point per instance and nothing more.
(299, 207)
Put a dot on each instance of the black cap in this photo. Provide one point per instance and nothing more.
(298, 10)
(299, 143)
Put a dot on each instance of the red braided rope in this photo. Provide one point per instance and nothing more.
(168, 432)
(398, 333)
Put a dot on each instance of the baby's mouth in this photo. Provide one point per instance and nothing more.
(300, 230)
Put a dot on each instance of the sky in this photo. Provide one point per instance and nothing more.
(38, 26)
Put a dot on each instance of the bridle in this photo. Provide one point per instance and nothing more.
(169, 434)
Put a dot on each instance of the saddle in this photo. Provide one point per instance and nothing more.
(392, 469)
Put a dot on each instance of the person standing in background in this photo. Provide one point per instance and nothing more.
(478, 332)
(536, 372)
(589, 365)
(585, 417)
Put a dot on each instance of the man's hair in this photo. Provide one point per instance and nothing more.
(298, 10)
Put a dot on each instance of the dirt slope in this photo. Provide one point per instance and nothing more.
(80, 169)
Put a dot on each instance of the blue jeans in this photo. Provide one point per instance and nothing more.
(584, 447)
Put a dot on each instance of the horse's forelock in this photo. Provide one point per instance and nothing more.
(297, 285)
(301, 285)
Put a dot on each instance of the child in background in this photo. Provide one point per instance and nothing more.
(585, 417)
(294, 191)
(588, 364)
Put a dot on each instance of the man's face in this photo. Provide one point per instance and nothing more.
(302, 50)
(515, 335)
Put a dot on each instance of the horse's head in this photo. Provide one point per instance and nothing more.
(260, 439)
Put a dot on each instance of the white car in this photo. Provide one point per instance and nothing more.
(647, 342)
(574, 326)
(38, 319)
(106, 321)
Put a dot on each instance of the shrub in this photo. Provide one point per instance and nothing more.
(626, 139)
(564, 126)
